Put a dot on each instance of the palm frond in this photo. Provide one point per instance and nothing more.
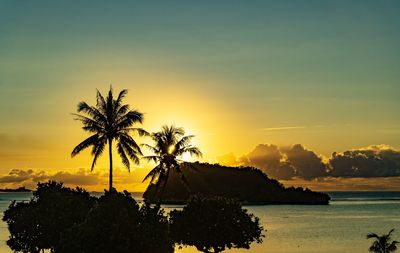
(121, 96)
(151, 148)
(129, 119)
(140, 131)
(101, 102)
(92, 140)
(121, 152)
(91, 111)
(89, 124)
(393, 246)
(191, 150)
(152, 158)
(122, 109)
(132, 153)
(98, 150)
(129, 141)
(153, 173)
(372, 235)
(184, 141)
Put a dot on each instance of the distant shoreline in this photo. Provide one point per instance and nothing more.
(20, 189)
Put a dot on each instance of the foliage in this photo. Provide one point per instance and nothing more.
(22, 220)
(117, 224)
(39, 223)
(383, 243)
(61, 219)
(110, 120)
(170, 143)
(248, 184)
(215, 224)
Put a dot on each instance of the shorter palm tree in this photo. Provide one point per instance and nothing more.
(170, 143)
(383, 243)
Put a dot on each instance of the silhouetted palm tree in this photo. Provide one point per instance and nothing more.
(383, 243)
(110, 120)
(170, 143)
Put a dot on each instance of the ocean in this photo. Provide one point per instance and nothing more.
(340, 227)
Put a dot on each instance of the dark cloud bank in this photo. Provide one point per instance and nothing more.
(297, 161)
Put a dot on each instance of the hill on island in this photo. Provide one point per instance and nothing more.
(249, 185)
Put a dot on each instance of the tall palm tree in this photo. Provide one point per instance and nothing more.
(169, 144)
(383, 243)
(110, 120)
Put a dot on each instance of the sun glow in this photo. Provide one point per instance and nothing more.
(171, 149)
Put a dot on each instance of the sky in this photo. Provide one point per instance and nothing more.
(323, 74)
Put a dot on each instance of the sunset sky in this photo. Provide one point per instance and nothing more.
(324, 74)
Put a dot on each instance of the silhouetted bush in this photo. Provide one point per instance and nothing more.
(214, 224)
(61, 219)
(117, 224)
(23, 219)
(383, 243)
(39, 223)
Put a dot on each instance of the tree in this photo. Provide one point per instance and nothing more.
(39, 223)
(110, 120)
(22, 221)
(117, 224)
(214, 224)
(60, 219)
(383, 243)
(170, 143)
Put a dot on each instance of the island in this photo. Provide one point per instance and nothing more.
(19, 189)
(248, 184)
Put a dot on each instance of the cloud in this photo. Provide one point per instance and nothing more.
(30, 177)
(307, 164)
(347, 184)
(228, 159)
(79, 178)
(268, 158)
(372, 161)
(283, 128)
(286, 163)
(16, 176)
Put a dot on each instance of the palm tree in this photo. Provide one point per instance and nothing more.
(110, 120)
(383, 243)
(170, 143)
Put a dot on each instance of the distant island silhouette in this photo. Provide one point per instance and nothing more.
(19, 189)
(247, 184)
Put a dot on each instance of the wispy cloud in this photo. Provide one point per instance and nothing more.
(283, 128)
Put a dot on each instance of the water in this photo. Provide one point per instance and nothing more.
(340, 227)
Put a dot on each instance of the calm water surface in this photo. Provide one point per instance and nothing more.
(337, 228)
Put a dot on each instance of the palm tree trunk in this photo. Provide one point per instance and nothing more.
(110, 156)
(163, 187)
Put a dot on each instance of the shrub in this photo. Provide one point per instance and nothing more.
(67, 220)
(39, 223)
(214, 224)
(117, 224)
